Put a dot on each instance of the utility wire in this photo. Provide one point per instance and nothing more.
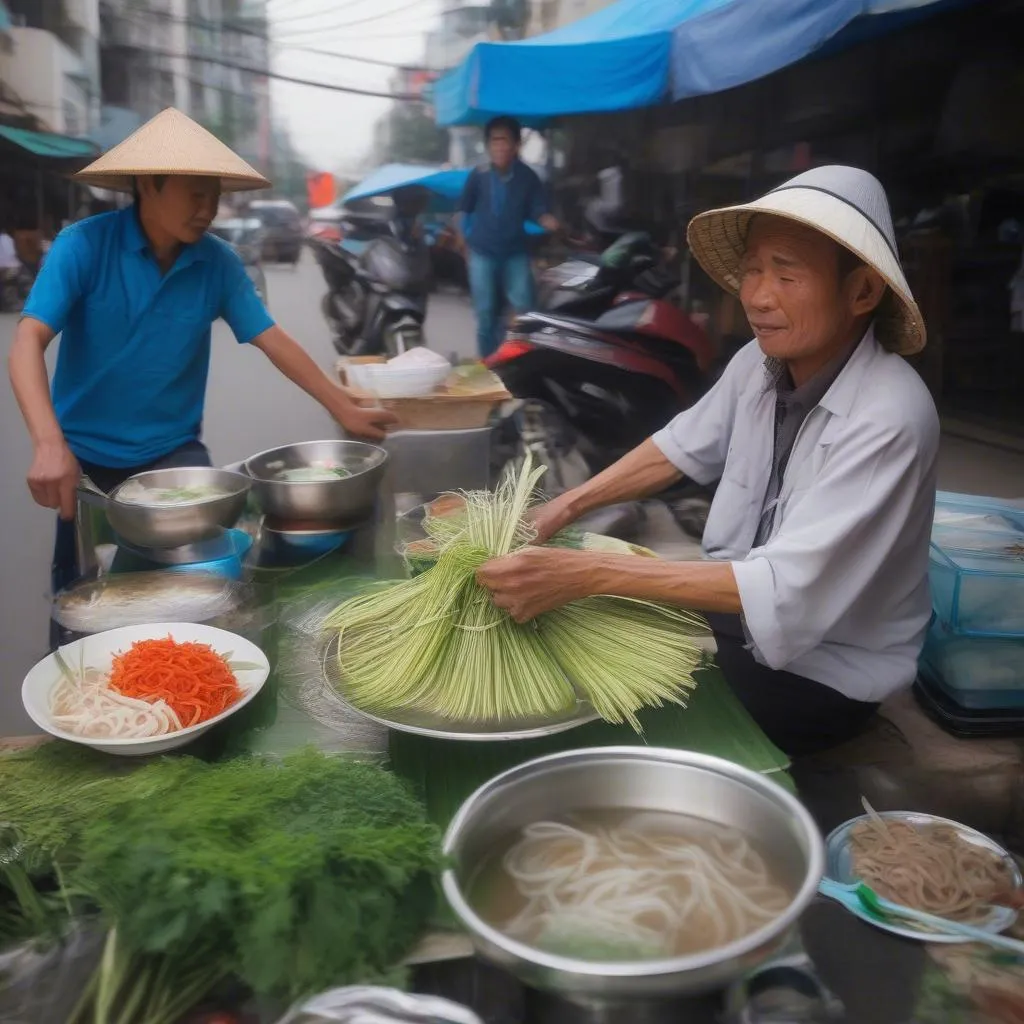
(264, 73)
(380, 16)
(339, 8)
(331, 8)
(419, 30)
(213, 26)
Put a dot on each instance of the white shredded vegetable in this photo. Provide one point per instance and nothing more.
(83, 704)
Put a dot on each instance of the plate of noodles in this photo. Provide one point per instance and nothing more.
(926, 863)
(141, 690)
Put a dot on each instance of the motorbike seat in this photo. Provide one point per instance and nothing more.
(556, 319)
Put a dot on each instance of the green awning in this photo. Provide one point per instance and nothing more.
(58, 147)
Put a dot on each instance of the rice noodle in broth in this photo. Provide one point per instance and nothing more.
(928, 867)
(629, 886)
(133, 492)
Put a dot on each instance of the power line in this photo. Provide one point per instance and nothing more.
(306, 15)
(265, 73)
(381, 16)
(213, 26)
(419, 30)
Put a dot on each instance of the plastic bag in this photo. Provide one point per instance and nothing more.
(132, 599)
(363, 1004)
(46, 984)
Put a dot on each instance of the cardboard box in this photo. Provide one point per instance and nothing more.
(456, 405)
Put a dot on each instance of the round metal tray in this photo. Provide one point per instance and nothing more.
(425, 724)
(838, 867)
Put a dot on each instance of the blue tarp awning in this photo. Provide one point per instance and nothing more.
(637, 53)
(445, 183)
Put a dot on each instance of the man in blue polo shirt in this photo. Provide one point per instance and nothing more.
(133, 295)
(497, 201)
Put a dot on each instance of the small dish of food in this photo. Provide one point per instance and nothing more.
(142, 690)
(929, 864)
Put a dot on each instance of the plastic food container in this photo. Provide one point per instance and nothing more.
(395, 381)
(974, 512)
(230, 566)
(976, 567)
(980, 673)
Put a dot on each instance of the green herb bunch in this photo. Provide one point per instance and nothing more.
(291, 876)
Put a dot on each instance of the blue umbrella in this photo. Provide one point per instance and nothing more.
(446, 184)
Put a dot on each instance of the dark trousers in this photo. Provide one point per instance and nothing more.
(64, 570)
(799, 715)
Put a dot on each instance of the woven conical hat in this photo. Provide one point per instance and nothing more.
(847, 204)
(171, 143)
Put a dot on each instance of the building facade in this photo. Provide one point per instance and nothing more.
(208, 58)
(49, 65)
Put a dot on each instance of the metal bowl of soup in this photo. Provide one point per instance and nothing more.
(169, 508)
(640, 798)
(324, 481)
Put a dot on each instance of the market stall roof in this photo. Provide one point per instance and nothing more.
(637, 53)
(444, 182)
(49, 145)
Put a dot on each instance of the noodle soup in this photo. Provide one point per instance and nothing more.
(627, 885)
(133, 492)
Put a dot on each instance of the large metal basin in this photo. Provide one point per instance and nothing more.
(347, 500)
(169, 526)
(637, 778)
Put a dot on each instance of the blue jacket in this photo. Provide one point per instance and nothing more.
(499, 207)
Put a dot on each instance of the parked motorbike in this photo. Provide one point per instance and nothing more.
(588, 283)
(376, 298)
(592, 388)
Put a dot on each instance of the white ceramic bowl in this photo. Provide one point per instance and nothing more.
(99, 650)
(397, 381)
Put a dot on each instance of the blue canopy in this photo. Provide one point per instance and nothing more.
(636, 53)
(445, 183)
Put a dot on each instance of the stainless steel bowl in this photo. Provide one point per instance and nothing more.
(643, 779)
(159, 527)
(347, 500)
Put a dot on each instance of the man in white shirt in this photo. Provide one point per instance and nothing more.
(824, 443)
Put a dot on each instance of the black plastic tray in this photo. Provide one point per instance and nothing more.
(968, 723)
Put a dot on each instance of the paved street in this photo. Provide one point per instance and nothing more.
(250, 407)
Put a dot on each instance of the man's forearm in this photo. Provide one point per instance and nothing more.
(300, 368)
(640, 474)
(27, 368)
(707, 586)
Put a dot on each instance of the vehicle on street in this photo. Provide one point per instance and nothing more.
(377, 297)
(325, 223)
(282, 239)
(245, 236)
(610, 361)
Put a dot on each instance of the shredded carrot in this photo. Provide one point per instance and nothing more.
(191, 677)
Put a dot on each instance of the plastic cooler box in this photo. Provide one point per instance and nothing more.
(976, 567)
(979, 673)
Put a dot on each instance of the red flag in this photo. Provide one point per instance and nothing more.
(320, 189)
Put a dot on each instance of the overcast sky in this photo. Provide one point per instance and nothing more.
(334, 129)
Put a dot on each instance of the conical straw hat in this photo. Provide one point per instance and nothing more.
(847, 204)
(171, 143)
